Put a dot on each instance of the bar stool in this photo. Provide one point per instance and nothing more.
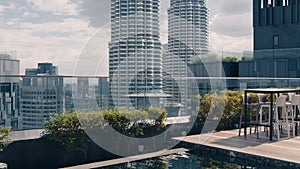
(295, 105)
(283, 121)
(262, 106)
(249, 103)
(291, 95)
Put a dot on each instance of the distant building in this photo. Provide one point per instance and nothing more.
(9, 90)
(102, 93)
(41, 94)
(84, 97)
(69, 104)
(82, 87)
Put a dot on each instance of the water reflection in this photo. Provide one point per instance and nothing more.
(176, 161)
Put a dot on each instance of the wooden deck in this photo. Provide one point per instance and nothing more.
(285, 149)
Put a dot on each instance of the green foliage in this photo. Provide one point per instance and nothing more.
(91, 120)
(205, 58)
(5, 140)
(66, 130)
(230, 59)
(116, 120)
(222, 106)
(157, 116)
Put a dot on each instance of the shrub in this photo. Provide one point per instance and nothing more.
(224, 107)
(66, 130)
(5, 140)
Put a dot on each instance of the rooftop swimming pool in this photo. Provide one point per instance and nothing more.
(179, 161)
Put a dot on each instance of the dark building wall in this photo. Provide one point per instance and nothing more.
(279, 18)
(215, 69)
(283, 68)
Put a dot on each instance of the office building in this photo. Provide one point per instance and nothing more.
(41, 94)
(135, 52)
(9, 90)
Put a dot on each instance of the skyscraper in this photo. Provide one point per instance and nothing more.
(41, 94)
(135, 61)
(9, 90)
(188, 28)
(276, 25)
(187, 38)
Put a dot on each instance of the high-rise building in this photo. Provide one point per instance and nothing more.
(276, 24)
(187, 29)
(9, 90)
(84, 97)
(41, 94)
(135, 57)
(102, 93)
(187, 38)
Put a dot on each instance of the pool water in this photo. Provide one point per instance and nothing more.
(178, 161)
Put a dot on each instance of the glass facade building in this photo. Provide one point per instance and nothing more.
(9, 90)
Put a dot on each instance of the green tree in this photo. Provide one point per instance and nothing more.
(225, 107)
(66, 130)
(205, 58)
(157, 116)
(5, 139)
(230, 59)
(117, 121)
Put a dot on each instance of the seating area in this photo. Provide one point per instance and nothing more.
(270, 112)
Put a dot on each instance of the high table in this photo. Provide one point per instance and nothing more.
(270, 91)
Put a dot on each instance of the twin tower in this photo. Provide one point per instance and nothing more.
(136, 64)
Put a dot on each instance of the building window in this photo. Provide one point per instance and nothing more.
(276, 41)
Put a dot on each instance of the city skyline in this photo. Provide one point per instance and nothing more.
(57, 31)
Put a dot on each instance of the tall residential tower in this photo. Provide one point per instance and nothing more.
(187, 38)
(135, 52)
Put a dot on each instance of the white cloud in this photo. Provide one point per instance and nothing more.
(58, 7)
(12, 6)
(69, 26)
(30, 15)
(2, 8)
(221, 42)
(230, 25)
(47, 46)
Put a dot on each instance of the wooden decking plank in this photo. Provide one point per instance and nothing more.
(285, 149)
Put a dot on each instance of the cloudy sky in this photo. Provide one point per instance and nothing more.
(65, 31)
